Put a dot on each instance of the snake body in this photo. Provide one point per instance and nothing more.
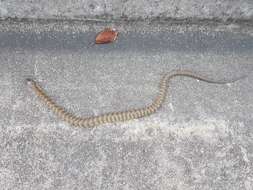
(120, 116)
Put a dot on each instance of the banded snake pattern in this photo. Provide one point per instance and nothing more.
(118, 116)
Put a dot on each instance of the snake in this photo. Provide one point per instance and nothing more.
(118, 116)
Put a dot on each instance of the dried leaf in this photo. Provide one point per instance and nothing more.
(106, 36)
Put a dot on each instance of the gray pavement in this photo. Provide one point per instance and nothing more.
(127, 9)
(202, 138)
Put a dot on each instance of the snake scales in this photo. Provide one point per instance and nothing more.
(113, 117)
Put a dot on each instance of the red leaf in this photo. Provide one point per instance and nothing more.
(106, 36)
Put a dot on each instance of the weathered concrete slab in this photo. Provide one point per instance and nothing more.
(128, 9)
(202, 138)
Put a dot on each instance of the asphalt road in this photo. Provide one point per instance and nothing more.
(202, 138)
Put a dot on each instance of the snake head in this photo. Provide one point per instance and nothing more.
(30, 81)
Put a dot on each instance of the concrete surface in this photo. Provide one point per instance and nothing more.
(202, 138)
(128, 9)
